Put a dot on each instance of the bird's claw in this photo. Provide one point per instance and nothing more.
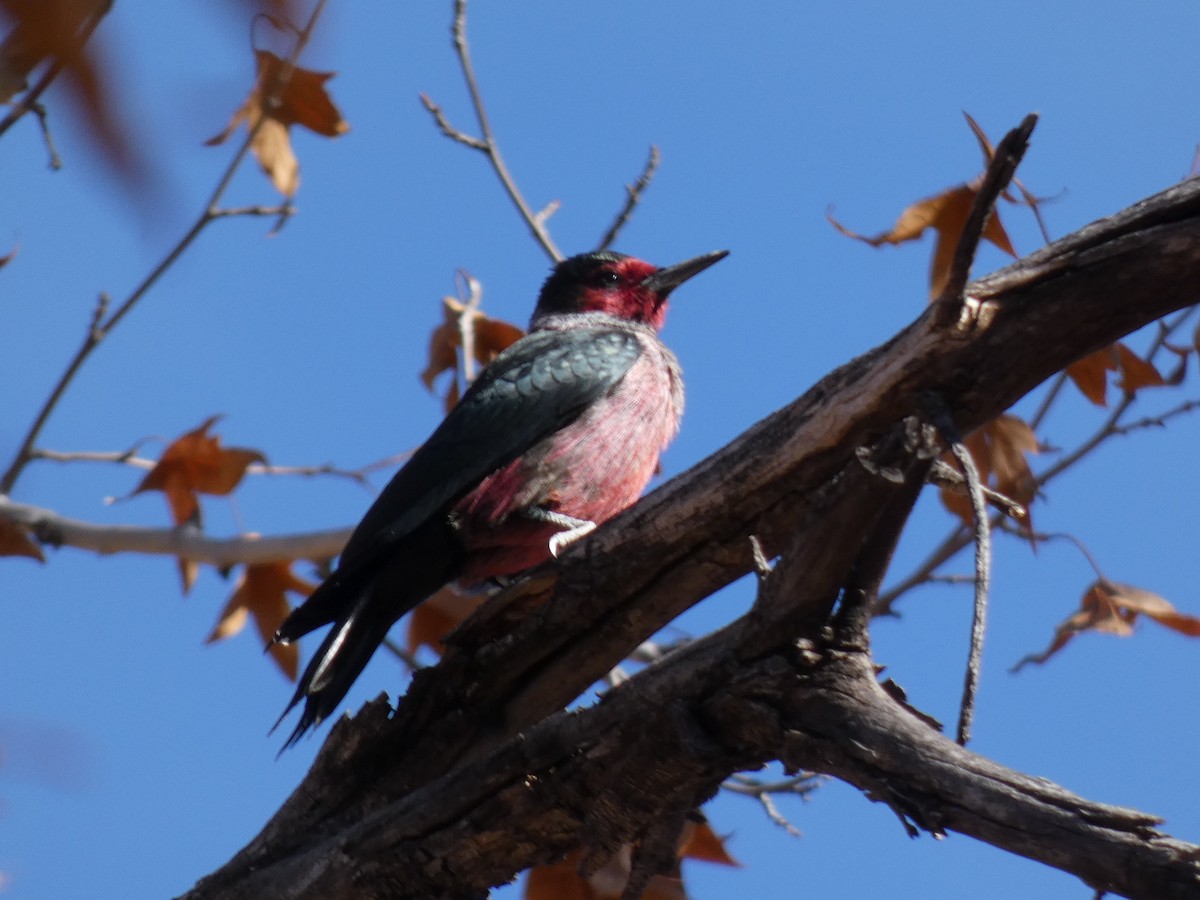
(560, 540)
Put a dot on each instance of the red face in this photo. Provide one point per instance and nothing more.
(616, 287)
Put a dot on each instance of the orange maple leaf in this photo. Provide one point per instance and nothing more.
(261, 592)
(1111, 607)
(302, 100)
(561, 880)
(1090, 374)
(946, 213)
(437, 616)
(195, 463)
(490, 336)
(15, 541)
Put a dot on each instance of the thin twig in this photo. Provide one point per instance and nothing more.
(280, 209)
(1047, 403)
(776, 816)
(952, 579)
(1070, 538)
(44, 124)
(799, 786)
(633, 196)
(983, 565)
(465, 324)
(1034, 205)
(1111, 425)
(131, 459)
(449, 130)
(102, 327)
(946, 476)
(762, 565)
(937, 557)
(1158, 421)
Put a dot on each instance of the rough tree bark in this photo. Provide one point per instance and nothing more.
(480, 774)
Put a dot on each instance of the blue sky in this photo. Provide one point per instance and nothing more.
(135, 758)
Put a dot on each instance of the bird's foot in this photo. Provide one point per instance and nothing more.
(559, 541)
(572, 528)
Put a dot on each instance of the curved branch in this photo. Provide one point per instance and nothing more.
(187, 543)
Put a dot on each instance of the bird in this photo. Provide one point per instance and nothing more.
(560, 432)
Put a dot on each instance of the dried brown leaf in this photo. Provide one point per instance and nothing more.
(195, 463)
(261, 592)
(438, 616)
(701, 842)
(490, 337)
(302, 101)
(999, 449)
(947, 214)
(1136, 373)
(561, 881)
(1090, 374)
(15, 541)
(1111, 607)
(272, 148)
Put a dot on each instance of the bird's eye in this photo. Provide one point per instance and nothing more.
(608, 279)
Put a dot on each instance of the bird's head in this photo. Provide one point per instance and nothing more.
(620, 285)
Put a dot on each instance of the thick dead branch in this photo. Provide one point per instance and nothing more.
(479, 774)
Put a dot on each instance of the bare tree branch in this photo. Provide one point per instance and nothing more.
(479, 773)
(187, 543)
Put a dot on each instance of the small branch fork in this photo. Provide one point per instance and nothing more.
(103, 323)
(487, 145)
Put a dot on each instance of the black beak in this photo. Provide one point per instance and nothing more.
(666, 280)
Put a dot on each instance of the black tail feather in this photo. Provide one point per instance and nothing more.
(363, 603)
(339, 660)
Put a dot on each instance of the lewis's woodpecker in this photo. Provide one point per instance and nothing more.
(561, 432)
